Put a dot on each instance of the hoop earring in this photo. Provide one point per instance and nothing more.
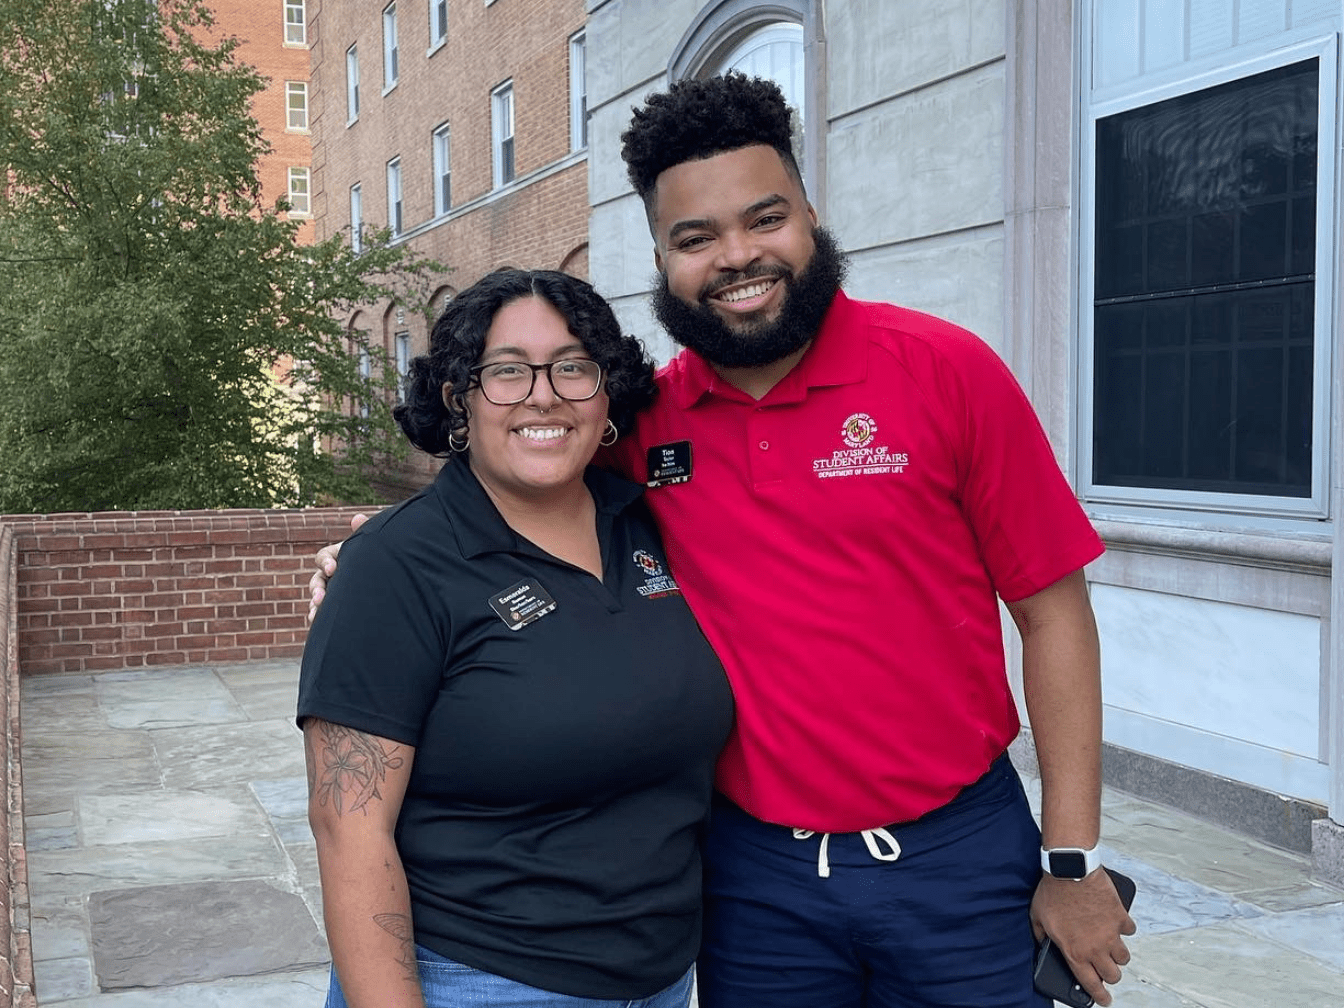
(466, 440)
(610, 432)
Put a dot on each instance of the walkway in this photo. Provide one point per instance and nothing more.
(170, 862)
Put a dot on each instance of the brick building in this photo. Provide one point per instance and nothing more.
(461, 126)
(274, 41)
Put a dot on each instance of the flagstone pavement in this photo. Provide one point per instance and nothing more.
(170, 862)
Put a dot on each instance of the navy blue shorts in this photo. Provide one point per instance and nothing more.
(945, 924)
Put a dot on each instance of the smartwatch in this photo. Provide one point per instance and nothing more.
(1070, 862)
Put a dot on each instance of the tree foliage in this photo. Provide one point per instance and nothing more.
(165, 341)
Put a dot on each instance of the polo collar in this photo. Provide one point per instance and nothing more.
(836, 357)
(480, 528)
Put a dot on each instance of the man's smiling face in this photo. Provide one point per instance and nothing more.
(736, 243)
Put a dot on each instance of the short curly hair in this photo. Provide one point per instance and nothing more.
(696, 119)
(458, 340)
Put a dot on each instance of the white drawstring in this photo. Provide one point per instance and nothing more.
(870, 839)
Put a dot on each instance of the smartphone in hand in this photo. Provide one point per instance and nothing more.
(1053, 977)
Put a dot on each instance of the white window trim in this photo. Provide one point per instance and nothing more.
(307, 176)
(303, 6)
(497, 135)
(391, 48)
(352, 84)
(394, 173)
(578, 92)
(435, 44)
(1324, 334)
(356, 218)
(292, 88)
(441, 141)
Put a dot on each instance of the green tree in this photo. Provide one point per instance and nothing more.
(165, 342)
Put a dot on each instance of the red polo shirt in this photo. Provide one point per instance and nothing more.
(842, 542)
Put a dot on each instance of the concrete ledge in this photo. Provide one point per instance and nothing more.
(1327, 851)
(1272, 818)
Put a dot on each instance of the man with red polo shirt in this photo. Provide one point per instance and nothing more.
(846, 491)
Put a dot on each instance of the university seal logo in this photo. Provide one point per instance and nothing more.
(645, 562)
(859, 430)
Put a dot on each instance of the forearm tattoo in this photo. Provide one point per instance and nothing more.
(347, 767)
(399, 927)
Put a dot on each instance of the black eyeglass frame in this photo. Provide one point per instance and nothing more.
(475, 373)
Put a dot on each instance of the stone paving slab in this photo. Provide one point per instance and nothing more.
(164, 936)
(168, 815)
(304, 989)
(201, 756)
(165, 698)
(58, 873)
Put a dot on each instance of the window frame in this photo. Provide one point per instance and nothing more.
(357, 218)
(391, 48)
(306, 174)
(293, 88)
(578, 91)
(302, 7)
(352, 84)
(395, 195)
(503, 100)
(1316, 505)
(441, 140)
(401, 349)
(438, 26)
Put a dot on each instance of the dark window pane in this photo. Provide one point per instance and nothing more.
(1211, 248)
(1205, 262)
(1264, 242)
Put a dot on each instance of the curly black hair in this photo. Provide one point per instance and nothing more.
(696, 119)
(458, 339)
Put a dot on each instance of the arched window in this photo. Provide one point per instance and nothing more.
(761, 40)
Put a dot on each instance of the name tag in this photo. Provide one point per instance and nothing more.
(524, 603)
(669, 463)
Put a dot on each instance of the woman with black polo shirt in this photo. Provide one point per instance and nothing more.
(510, 716)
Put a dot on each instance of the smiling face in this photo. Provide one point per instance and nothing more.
(734, 237)
(540, 446)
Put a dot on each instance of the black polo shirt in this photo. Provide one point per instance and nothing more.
(565, 733)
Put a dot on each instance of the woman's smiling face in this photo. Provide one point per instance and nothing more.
(541, 445)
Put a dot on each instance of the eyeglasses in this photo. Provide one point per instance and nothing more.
(510, 382)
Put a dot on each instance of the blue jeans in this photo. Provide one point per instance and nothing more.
(447, 984)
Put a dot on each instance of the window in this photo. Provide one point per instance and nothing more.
(300, 201)
(356, 219)
(443, 171)
(365, 372)
(403, 356)
(578, 95)
(296, 23)
(438, 22)
(501, 127)
(1203, 317)
(352, 83)
(394, 195)
(389, 46)
(296, 105)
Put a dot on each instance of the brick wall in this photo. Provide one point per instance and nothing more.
(16, 951)
(129, 589)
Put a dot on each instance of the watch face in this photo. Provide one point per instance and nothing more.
(1068, 864)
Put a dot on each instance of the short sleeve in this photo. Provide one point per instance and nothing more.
(1029, 525)
(375, 654)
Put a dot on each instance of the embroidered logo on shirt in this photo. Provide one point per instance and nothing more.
(860, 457)
(656, 583)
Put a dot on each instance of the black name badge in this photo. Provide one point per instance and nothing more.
(669, 463)
(522, 604)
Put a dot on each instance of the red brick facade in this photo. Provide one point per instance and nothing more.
(540, 220)
(260, 28)
(125, 589)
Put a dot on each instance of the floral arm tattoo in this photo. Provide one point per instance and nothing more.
(347, 767)
(399, 927)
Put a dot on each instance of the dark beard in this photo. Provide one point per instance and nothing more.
(807, 298)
